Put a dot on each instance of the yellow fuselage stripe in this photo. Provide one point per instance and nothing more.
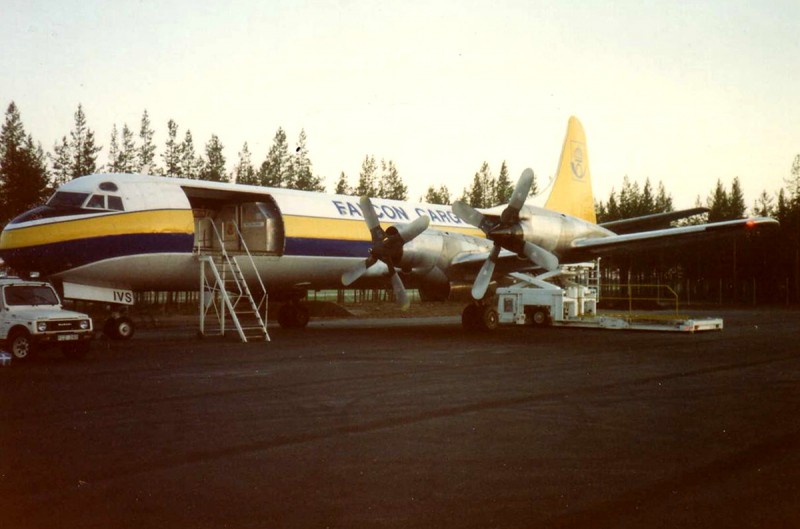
(159, 221)
(347, 229)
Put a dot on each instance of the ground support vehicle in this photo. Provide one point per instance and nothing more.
(31, 317)
(568, 297)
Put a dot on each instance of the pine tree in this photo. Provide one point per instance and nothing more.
(190, 163)
(482, 192)
(437, 196)
(300, 174)
(84, 150)
(147, 149)
(62, 162)
(793, 183)
(275, 169)
(718, 204)
(503, 188)
(629, 199)
(600, 211)
(126, 160)
(647, 202)
(243, 172)
(367, 178)
(342, 186)
(736, 206)
(663, 202)
(113, 152)
(23, 172)
(764, 205)
(391, 185)
(214, 166)
(172, 151)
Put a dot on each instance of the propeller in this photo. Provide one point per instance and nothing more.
(507, 233)
(387, 247)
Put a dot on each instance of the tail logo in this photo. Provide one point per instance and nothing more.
(577, 161)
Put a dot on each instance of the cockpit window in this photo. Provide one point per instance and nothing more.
(115, 203)
(108, 186)
(67, 199)
(97, 202)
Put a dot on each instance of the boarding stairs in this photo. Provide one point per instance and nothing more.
(226, 299)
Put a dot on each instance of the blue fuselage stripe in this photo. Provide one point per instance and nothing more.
(57, 257)
(312, 247)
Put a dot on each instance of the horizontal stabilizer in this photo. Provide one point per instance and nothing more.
(655, 221)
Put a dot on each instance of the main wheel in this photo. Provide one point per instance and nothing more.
(293, 316)
(121, 328)
(21, 344)
(488, 319)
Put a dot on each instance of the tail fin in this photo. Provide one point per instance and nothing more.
(572, 188)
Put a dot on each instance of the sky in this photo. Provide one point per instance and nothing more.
(685, 93)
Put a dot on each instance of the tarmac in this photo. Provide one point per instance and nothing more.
(410, 422)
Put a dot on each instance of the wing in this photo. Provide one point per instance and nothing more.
(650, 222)
(670, 236)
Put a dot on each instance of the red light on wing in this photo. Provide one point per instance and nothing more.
(750, 223)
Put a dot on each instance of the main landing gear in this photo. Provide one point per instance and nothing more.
(478, 316)
(293, 315)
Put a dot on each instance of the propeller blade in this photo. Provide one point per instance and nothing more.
(481, 284)
(400, 294)
(521, 190)
(371, 219)
(408, 232)
(350, 277)
(540, 256)
(471, 216)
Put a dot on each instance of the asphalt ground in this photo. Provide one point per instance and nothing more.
(410, 423)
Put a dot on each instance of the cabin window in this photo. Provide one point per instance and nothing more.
(67, 199)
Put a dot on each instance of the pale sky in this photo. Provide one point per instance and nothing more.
(682, 92)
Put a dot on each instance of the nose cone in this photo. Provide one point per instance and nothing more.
(23, 242)
(17, 250)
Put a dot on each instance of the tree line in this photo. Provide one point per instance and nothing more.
(759, 267)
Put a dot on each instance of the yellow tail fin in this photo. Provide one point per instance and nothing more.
(572, 188)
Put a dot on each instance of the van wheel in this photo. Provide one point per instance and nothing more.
(21, 344)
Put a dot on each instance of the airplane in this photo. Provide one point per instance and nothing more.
(101, 237)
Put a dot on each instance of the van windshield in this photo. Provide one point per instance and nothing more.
(30, 295)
